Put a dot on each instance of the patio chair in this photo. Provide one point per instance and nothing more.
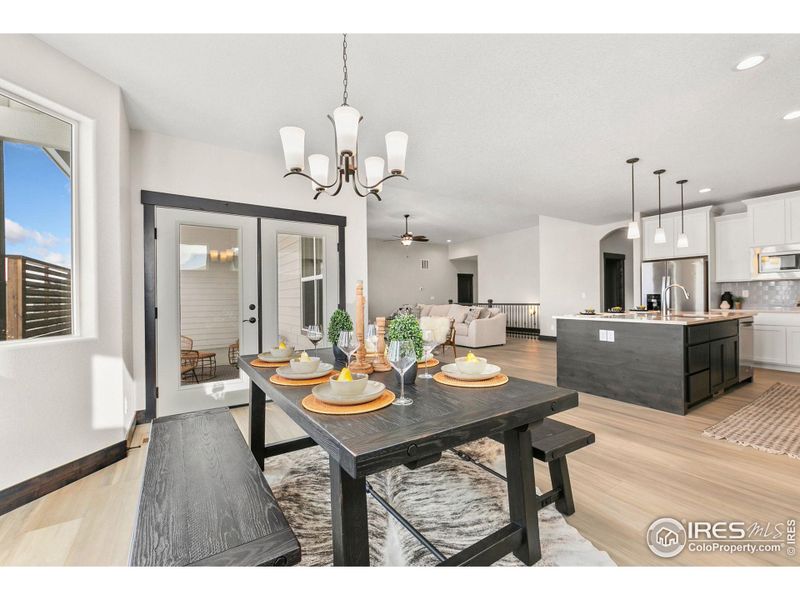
(233, 354)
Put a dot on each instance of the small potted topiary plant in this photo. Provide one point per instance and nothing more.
(406, 327)
(340, 321)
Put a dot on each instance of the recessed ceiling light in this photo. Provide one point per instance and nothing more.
(750, 62)
(792, 115)
(448, 241)
(705, 190)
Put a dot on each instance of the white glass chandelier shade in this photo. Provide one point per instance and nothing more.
(318, 165)
(396, 144)
(406, 241)
(374, 168)
(346, 119)
(633, 230)
(660, 237)
(293, 140)
(683, 241)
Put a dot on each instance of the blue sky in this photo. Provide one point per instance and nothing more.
(38, 207)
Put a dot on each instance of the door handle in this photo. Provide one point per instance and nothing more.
(250, 320)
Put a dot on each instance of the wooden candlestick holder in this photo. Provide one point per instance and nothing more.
(360, 364)
(379, 363)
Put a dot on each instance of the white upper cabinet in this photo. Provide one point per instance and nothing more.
(732, 248)
(696, 226)
(650, 249)
(769, 222)
(793, 219)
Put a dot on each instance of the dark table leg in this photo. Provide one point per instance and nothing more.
(256, 422)
(349, 518)
(522, 492)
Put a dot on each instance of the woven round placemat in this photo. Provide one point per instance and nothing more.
(262, 364)
(280, 380)
(495, 381)
(318, 406)
(431, 362)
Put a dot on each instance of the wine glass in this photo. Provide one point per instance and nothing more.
(402, 356)
(314, 335)
(429, 344)
(348, 343)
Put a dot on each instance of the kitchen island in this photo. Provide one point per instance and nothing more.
(668, 363)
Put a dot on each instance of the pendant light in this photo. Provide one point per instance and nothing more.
(633, 226)
(683, 241)
(660, 237)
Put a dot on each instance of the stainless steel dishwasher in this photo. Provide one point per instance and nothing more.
(745, 349)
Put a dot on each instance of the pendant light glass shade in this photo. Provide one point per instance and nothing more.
(406, 241)
(374, 168)
(660, 237)
(346, 119)
(396, 144)
(633, 230)
(318, 165)
(683, 241)
(293, 140)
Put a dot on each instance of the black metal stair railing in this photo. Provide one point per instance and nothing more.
(522, 318)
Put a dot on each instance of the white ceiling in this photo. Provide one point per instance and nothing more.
(502, 128)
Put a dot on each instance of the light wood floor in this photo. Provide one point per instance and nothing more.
(645, 464)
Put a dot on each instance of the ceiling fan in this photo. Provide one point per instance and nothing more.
(408, 237)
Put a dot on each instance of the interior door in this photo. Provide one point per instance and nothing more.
(206, 294)
(300, 280)
(465, 288)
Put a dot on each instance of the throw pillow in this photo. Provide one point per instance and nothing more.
(474, 313)
(458, 313)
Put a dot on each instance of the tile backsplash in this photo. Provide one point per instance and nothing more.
(763, 294)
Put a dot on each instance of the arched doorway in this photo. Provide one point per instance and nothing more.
(616, 270)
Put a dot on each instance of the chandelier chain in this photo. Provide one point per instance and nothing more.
(344, 68)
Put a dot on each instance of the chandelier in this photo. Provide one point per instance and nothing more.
(345, 122)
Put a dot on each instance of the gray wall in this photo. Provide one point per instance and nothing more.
(617, 242)
(395, 276)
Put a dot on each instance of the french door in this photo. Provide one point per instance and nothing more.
(207, 299)
(300, 280)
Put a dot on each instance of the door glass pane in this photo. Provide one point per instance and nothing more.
(300, 287)
(35, 223)
(210, 306)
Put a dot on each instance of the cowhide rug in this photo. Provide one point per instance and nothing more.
(452, 502)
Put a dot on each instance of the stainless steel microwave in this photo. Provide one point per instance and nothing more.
(776, 262)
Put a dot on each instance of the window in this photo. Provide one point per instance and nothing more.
(312, 280)
(36, 262)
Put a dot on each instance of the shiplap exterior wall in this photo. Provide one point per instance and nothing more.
(289, 291)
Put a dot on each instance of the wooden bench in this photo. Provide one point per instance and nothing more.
(204, 500)
(551, 442)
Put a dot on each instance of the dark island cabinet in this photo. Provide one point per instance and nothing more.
(712, 359)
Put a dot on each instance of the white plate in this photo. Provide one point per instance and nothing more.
(267, 357)
(489, 372)
(324, 393)
(324, 369)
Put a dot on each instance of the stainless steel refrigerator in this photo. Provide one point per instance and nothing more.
(691, 273)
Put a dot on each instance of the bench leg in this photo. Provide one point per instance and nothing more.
(256, 422)
(559, 476)
(349, 519)
(522, 503)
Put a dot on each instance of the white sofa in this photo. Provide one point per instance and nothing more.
(489, 330)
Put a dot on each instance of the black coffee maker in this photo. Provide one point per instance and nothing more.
(653, 301)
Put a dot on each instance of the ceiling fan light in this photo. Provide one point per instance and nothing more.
(293, 140)
(374, 168)
(660, 237)
(406, 241)
(683, 241)
(345, 119)
(318, 165)
(396, 145)
(633, 230)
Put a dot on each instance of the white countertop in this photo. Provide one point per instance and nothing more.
(684, 318)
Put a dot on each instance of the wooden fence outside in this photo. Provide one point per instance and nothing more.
(38, 298)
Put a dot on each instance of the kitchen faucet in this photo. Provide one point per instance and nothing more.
(666, 286)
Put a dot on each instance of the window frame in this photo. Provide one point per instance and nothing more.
(75, 231)
(318, 302)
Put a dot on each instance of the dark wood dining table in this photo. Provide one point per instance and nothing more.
(441, 418)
